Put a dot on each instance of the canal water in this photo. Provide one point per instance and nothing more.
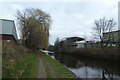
(84, 67)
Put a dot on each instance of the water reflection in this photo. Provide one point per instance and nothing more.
(85, 67)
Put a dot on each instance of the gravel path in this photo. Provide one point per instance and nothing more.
(42, 72)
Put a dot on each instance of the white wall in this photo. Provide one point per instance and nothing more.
(0, 59)
(80, 45)
(8, 27)
(0, 26)
(119, 15)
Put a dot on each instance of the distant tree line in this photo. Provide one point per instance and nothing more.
(56, 45)
(100, 27)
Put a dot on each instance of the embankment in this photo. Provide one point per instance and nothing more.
(18, 62)
(108, 53)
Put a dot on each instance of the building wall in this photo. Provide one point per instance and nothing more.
(0, 26)
(114, 36)
(8, 43)
(0, 40)
(8, 40)
(119, 15)
(8, 27)
(8, 35)
(80, 45)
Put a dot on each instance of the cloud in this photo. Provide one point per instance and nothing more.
(69, 19)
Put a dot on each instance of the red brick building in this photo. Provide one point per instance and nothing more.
(8, 35)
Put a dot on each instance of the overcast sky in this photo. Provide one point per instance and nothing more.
(68, 18)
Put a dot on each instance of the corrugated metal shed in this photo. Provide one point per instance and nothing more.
(8, 27)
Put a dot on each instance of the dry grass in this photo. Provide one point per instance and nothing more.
(18, 62)
(106, 53)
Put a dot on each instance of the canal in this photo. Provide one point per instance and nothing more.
(84, 67)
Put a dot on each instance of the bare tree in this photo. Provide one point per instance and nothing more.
(102, 26)
(35, 25)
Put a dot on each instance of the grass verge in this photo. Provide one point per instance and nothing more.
(54, 69)
(19, 62)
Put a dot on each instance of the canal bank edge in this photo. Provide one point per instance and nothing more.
(54, 69)
(108, 53)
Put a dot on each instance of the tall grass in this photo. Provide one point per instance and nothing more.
(110, 53)
(18, 62)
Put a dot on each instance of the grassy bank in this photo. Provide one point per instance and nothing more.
(108, 53)
(54, 69)
(18, 62)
